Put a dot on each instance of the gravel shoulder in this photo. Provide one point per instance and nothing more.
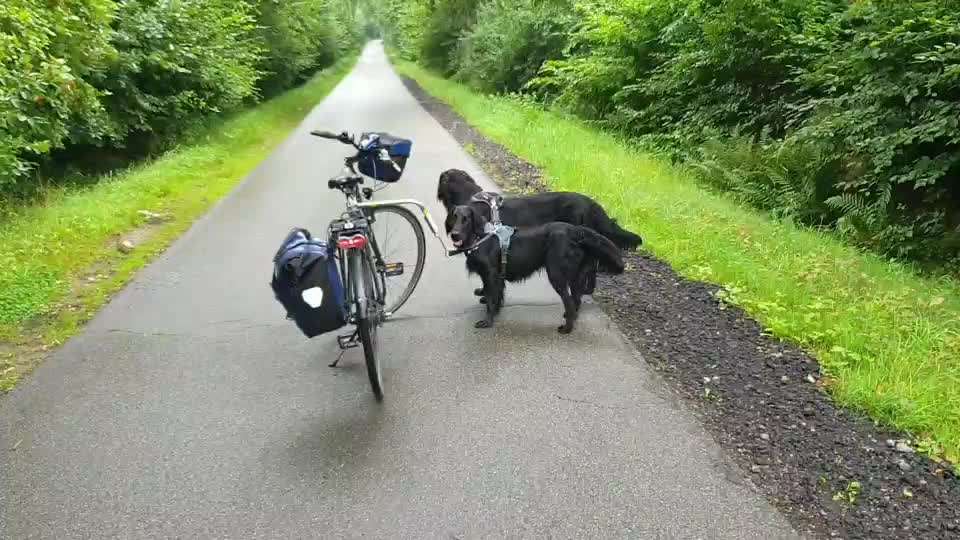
(832, 472)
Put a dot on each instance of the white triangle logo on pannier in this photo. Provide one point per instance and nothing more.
(313, 296)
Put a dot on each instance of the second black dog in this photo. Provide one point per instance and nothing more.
(456, 187)
(565, 251)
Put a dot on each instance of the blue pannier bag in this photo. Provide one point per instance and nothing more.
(306, 280)
(384, 156)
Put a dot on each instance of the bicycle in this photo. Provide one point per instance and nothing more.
(368, 271)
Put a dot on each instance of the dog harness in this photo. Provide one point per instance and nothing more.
(494, 227)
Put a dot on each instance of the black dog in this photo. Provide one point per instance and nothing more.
(456, 188)
(566, 252)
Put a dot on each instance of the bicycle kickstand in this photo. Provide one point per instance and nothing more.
(346, 341)
(339, 357)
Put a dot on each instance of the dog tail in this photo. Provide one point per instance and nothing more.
(607, 226)
(600, 247)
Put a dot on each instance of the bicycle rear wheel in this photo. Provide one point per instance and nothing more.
(402, 252)
(369, 316)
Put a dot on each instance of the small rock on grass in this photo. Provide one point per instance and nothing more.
(153, 217)
(126, 246)
(903, 447)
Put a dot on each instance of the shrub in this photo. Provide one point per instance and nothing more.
(871, 87)
(180, 61)
(791, 180)
(400, 22)
(48, 51)
(90, 82)
(886, 98)
(298, 38)
(447, 23)
(510, 42)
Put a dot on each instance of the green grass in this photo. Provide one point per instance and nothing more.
(45, 249)
(889, 340)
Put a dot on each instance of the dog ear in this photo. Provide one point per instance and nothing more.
(477, 220)
(442, 188)
(449, 221)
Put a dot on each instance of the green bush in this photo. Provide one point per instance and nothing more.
(93, 81)
(789, 180)
(442, 31)
(299, 38)
(48, 52)
(677, 66)
(400, 23)
(511, 40)
(428, 31)
(871, 87)
(885, 96)
(179, 61)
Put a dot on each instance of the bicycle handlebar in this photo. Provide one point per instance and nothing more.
(343, 137)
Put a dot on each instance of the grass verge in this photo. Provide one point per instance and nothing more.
(888, 339)
(59, 260)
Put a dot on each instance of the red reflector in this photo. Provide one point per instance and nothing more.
(357, 241)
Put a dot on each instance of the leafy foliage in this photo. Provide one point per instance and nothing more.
(300, 37)
(131, 75)
(887, 99)
(836, 113)
(47, 53)
(511, 40)
(181, 61)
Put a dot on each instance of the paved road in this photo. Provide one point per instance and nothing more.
(189, 408)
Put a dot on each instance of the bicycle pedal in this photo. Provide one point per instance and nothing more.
(394, 269)
(348, 341)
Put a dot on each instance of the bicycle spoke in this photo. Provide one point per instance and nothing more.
(401, 246)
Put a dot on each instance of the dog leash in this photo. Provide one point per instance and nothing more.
(472, 248)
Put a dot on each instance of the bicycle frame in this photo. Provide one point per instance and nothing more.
(372, 249)
(353, 203)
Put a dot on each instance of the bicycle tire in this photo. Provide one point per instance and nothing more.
(368, 319)
(396, 300)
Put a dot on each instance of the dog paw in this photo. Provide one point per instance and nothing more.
(483, 324)
(478, 292)
(564, 329)
(483, 300)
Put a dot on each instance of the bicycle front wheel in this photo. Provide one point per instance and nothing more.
(399, 254)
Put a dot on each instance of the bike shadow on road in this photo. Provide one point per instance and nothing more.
(337, 443)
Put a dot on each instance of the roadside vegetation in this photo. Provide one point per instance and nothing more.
(136, 116)
(91, 85)
(836, 114)
(804, 155)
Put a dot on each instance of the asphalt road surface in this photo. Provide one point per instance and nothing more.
(190, 408)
